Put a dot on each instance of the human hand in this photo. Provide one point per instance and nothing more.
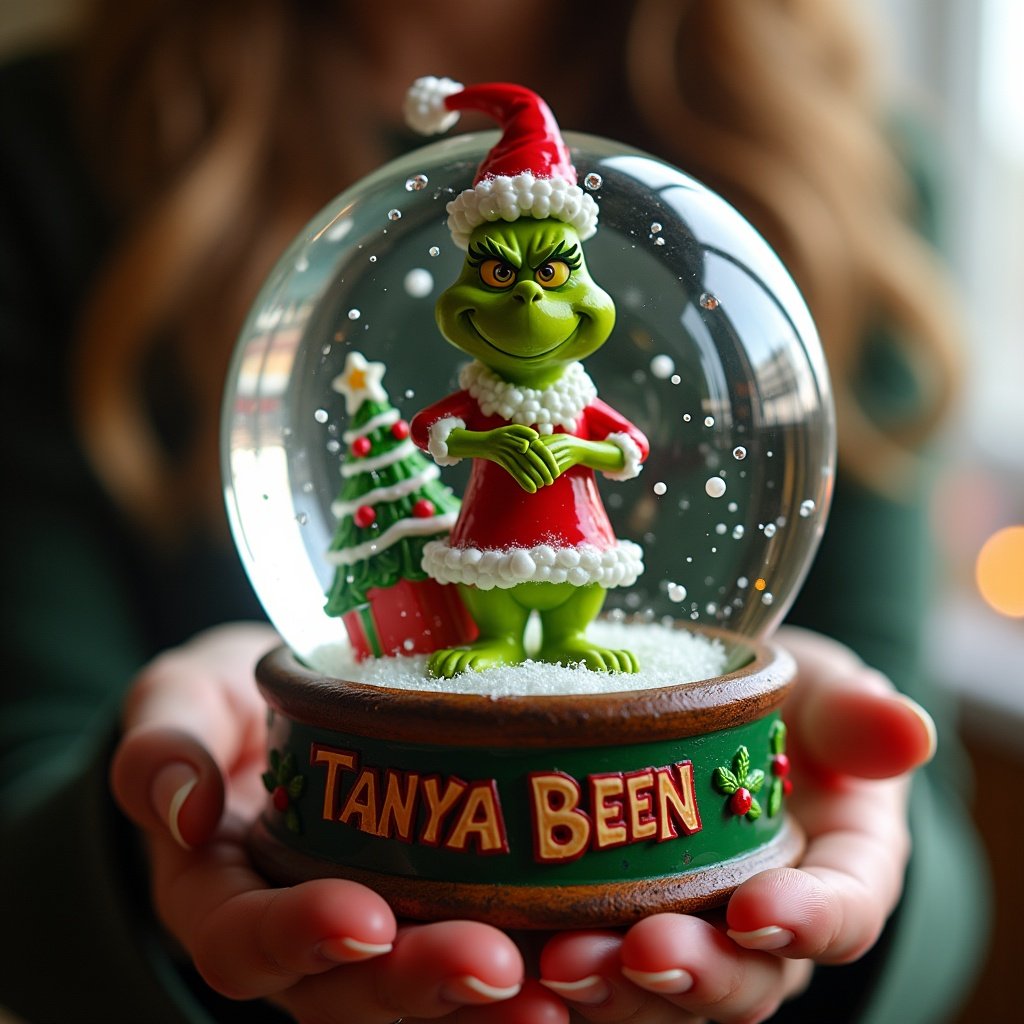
(852, 740)
(187, 771)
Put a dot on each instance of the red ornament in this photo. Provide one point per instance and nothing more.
(780, 765)
(280, 798)
(361, 447)
(740, 801)
(365, 516)
(400, 430)
(423, 509)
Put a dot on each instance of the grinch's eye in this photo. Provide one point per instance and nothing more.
(497, 273)
(552, 274)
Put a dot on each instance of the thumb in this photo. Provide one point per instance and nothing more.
(192, 714)
(846, 718)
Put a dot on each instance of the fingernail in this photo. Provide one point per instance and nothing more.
(473, 991)
(765, 939)
(926, 720)
(673, 982)
(589, 991)
(351, 951)
(171, 788)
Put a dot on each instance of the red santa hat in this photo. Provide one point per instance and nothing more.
(527, 173)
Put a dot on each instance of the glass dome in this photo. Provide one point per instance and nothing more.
(714, 356)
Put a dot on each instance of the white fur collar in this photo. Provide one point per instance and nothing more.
(558, 405)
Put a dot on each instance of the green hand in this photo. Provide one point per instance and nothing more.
(569, 451)
(514, 448)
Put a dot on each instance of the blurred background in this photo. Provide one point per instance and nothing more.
(958, 67)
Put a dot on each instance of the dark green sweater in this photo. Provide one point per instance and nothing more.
(86, 601)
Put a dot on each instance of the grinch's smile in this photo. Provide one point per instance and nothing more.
(516, 355)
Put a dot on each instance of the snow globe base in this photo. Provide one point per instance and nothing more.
(589, 809)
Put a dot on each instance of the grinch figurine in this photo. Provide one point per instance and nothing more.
(532, 534)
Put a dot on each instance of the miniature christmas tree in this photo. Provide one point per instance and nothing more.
(390, 505)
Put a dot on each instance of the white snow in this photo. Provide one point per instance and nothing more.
(668, 657)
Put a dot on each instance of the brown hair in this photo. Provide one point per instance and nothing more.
(219, 128)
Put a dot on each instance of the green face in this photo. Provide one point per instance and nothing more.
(524, 304)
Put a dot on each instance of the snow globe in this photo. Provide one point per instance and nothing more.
(523, 681)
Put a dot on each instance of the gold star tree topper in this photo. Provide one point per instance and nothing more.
(360, 381)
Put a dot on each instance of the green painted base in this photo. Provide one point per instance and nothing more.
(554, 907)
(529, 812)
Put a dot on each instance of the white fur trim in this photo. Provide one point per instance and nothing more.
(403, 528)
(424, 108)
(558, 405)
(618, 566)
(438, 443)
(500, 197)
(632, 455)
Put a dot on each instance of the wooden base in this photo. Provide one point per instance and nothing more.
(538, 906)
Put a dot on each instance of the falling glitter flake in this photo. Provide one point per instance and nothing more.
(676, 592)
(708, 301)
(659, 488)
(418, 283)
(354, 314)
(416, 183)
(434, 250)
(769, 530)
(593, 181)
(394, 215)
(662, 367)
(709, 421)
(715, 487)
(739, 452)
(321, 416)
(806, 508)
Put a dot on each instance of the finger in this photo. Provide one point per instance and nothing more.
(533, 1005)
(693, 966)
(834, 906)
(548, 457)
(846, 718)
(433, 970)
(167, 782)
(584, 969)
(192, 714)
(261, 942)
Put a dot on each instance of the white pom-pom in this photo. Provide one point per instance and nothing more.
(424, 109)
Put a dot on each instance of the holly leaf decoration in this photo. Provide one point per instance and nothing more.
(755, 810)
(292, 821)
(777, 790)
(724, 781)
(741, 763)
(755, 780)
(269, 781)
(295, 786)
(777, 738)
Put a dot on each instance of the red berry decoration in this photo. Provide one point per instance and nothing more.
(423, 509)
(361, 447)
(400, 430)
(280, 798)
(365, 516)
(787, 787)
(740, 801)
(780, 765)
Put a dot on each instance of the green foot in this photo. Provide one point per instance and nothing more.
(475, 657)
(580, 651)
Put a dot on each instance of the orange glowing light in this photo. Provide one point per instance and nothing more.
(999, 571)
(759, 584)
